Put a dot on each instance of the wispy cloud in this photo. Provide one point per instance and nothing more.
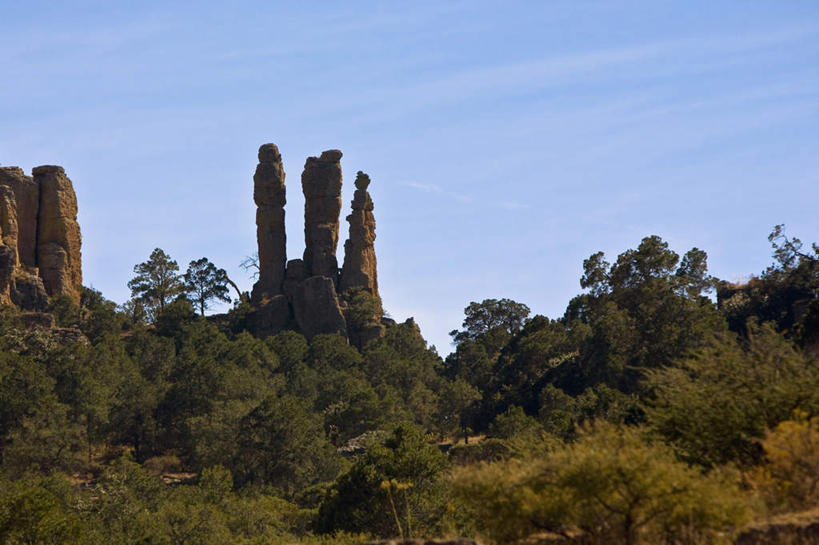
(512, 205)
(432, 188)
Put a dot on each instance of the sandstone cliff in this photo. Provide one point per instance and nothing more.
(58, 234)
(40, 255)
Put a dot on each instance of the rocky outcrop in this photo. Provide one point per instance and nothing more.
(40, 255)
(27, 291)
(58, 234)
(270, 196)
(270, 315)
(317, 308)
(321, 184)
(294, 276)
(306, 292)
(788, 529)
(360, 269)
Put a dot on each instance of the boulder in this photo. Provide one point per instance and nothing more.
(27, 291)
(317, 308)
(294, 276)
(269, 316)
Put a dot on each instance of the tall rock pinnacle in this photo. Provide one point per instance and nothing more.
(58, 234)
(321, 184)
(360, 269)
(269, 195)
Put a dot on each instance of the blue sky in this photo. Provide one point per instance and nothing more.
(506, 141)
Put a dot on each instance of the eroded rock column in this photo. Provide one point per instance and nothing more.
(27, 204)
(321, 184)
(58, 233)
(360, 268)
(270, 196)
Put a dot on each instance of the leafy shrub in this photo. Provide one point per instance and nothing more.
(611, 485)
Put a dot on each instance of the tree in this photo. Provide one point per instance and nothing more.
(404, 474)
(282, 443)
(204, 283)
(250, 264)
(157, 281)
(491, 314)
(644, 311)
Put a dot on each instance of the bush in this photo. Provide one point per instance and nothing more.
(715, 406)
(789, 478)
(611, 486)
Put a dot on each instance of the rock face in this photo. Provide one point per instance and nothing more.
(27, 197)
(40, 254)
(321, 184)
(269, 195)
(317, 308)
(8, 221)
(58, 234)
(360, 269)
(305, 292)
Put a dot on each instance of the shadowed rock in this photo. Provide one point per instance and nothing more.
(58, 234)
(27, 291)
(8, 220)
(27, 204)
(317, 308)
(360, 269)
(294, 276)
(321, 184)
(8, 241)
(270, 196)
(270, 316)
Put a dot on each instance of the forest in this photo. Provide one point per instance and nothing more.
(665, 406)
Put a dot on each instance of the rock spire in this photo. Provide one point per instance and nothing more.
(269, 195)
(313, 298)
(360, 269)
(58, 234)
(321, 184)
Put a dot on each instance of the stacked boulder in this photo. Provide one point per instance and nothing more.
(308, 293)
(40, 255)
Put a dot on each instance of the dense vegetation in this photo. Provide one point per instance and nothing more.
(651, 412)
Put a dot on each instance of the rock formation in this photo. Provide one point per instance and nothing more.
(269, 195)
(360, 270)
(317, 308)
(305, 292)
(321, 184)
(27, 199)
(40, 253)
(58, 234)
